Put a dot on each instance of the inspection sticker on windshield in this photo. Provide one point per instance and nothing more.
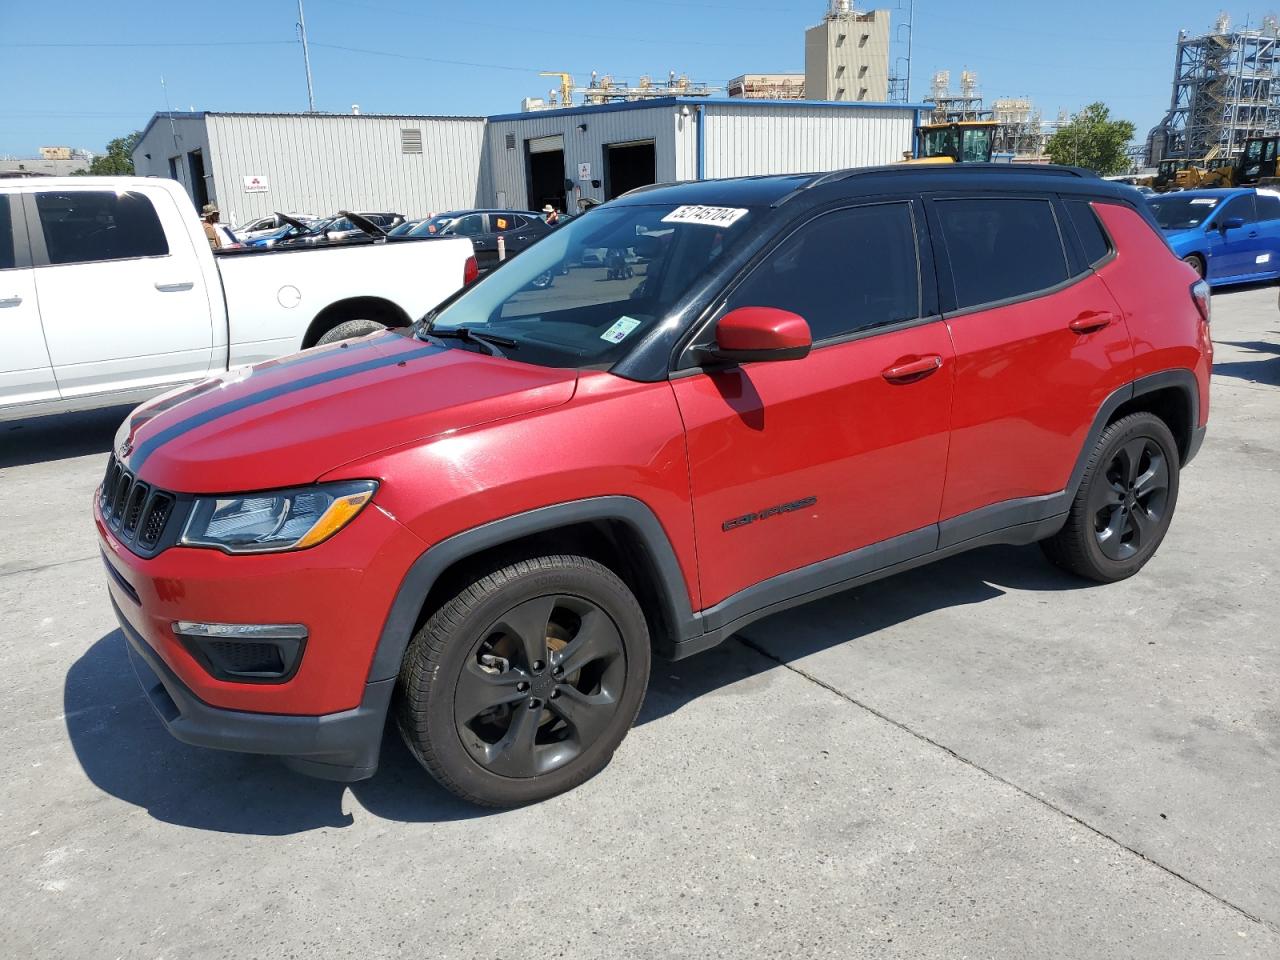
(1203, 201)
(620, 330)
(708, 216)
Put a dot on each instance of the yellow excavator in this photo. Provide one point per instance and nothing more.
(1256, 166)
(959, 141)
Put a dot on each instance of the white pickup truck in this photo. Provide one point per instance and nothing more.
(109, 293)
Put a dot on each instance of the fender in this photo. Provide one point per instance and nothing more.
(417, 583)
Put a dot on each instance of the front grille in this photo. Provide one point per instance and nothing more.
(135, 511)
(235, 657)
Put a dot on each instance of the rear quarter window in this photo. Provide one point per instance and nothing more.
(1001, 248)
(1093, 240)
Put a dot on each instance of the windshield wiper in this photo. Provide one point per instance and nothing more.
(493, 341)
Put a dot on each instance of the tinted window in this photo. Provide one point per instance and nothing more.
(8, 259)
(1241, 207)
(1001, 248)
(844, 272)
(1092, 239)
(1268, 206)
(1174, 212)
(502, 222)
(469, 225)
(86, 226)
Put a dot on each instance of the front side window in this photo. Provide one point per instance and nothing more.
(587, 292)
(468, 226)
(1241, 207)
(1001, 248)
(8, 256)
(86, 226)
(844, 272)
(976, 145)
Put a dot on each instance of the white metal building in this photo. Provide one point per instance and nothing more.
(252, 164)
(557, 156)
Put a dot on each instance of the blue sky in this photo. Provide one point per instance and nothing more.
(68, 79)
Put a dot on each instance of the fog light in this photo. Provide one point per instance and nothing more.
(244, 652)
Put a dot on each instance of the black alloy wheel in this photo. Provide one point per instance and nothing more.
(524, 680)
(1129, 507)
(540, 686)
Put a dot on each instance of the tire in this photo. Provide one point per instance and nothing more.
(350, 329)
(498, 721)
(1124, 504)
(1196, 263)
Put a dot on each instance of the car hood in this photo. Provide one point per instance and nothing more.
(288, 421)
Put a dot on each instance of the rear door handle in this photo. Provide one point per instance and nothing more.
(10, 301)
(175, 287)
(1091, 322)
(912, 369)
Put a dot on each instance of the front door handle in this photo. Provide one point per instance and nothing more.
(175, 287)
(908, 371)
(10, 301)
(1252, 234)
(1090, 322)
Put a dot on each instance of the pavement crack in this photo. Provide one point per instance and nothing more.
(925, 738)
(44, 566)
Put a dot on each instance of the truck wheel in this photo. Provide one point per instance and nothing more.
(350, 329)
(524, 682)
(1195, 262)
(1125, 502)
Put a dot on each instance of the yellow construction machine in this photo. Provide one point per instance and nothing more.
(959, 141)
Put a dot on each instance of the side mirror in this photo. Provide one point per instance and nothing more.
(1232, 223)
(750, 334)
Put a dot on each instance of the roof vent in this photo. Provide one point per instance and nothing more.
(410, 140)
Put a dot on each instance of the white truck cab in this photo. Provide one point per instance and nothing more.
(109, 293)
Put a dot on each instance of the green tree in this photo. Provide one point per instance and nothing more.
(118, 160)
(1094, 141)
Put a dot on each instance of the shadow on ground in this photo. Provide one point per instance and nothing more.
(60, 437)
(1265, 370)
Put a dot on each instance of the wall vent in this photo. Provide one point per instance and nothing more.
(511, 141)
(410, 140)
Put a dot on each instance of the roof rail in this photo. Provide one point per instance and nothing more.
(953, 169)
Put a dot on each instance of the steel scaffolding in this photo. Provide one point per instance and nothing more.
(1226, 89)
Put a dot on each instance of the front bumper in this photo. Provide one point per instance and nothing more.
(337, 746)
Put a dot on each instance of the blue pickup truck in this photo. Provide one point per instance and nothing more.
(1227, 235)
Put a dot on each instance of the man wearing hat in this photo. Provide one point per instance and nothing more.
(209, 214)
(551, 215)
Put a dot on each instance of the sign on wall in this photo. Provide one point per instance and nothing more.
(584, 171)
(255, 184)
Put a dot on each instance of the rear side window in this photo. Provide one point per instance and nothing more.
(1001, 248)
(1241, 206)
(86, 226)
(1092, 239)
(8, 257)
(847, 271)
(1268, 206)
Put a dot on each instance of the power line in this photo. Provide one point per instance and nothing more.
(175, 43)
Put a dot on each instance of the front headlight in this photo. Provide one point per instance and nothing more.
(275, 521)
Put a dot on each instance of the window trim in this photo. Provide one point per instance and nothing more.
(1078, 241)
(18, 232)
(942, 253)
(40, 250)
(686, 363)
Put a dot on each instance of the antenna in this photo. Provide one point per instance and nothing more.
(306, 58)
(173, 131)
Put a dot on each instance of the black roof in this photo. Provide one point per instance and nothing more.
(779, 188)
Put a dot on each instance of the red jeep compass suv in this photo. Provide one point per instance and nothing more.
(798, 384)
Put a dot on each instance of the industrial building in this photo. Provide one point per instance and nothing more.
(846, 56)
(767, 86)
(251, 164)
(1226, 89)
(52, 162)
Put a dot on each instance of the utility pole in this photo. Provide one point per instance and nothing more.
(306, 58)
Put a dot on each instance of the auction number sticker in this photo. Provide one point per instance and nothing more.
(620, 330)
(1203, 201)
(708, 216)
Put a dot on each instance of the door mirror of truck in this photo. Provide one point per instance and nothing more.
(1232, 223)
(753, 334)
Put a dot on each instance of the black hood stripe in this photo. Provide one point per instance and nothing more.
(151, 444)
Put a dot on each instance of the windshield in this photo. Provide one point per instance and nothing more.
(1175, 212)
(432, 227)
(939, 142)
(401, 229)
(587, 291)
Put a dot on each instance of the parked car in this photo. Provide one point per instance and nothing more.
(264, 226)
(109, 293)
(806, 383)
(518, 229)
(403, 228)
(340, 227)
(1226, 235)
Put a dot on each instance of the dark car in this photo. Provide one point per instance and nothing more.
(517, 228)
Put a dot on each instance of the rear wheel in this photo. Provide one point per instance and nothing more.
(349, 329)
(1196, 263)
(522, 685)
(1125, 502)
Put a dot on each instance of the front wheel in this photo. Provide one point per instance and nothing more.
(1124, 504)
(524, 682)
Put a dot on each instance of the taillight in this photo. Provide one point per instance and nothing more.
(470, 270)
(1200, 294)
